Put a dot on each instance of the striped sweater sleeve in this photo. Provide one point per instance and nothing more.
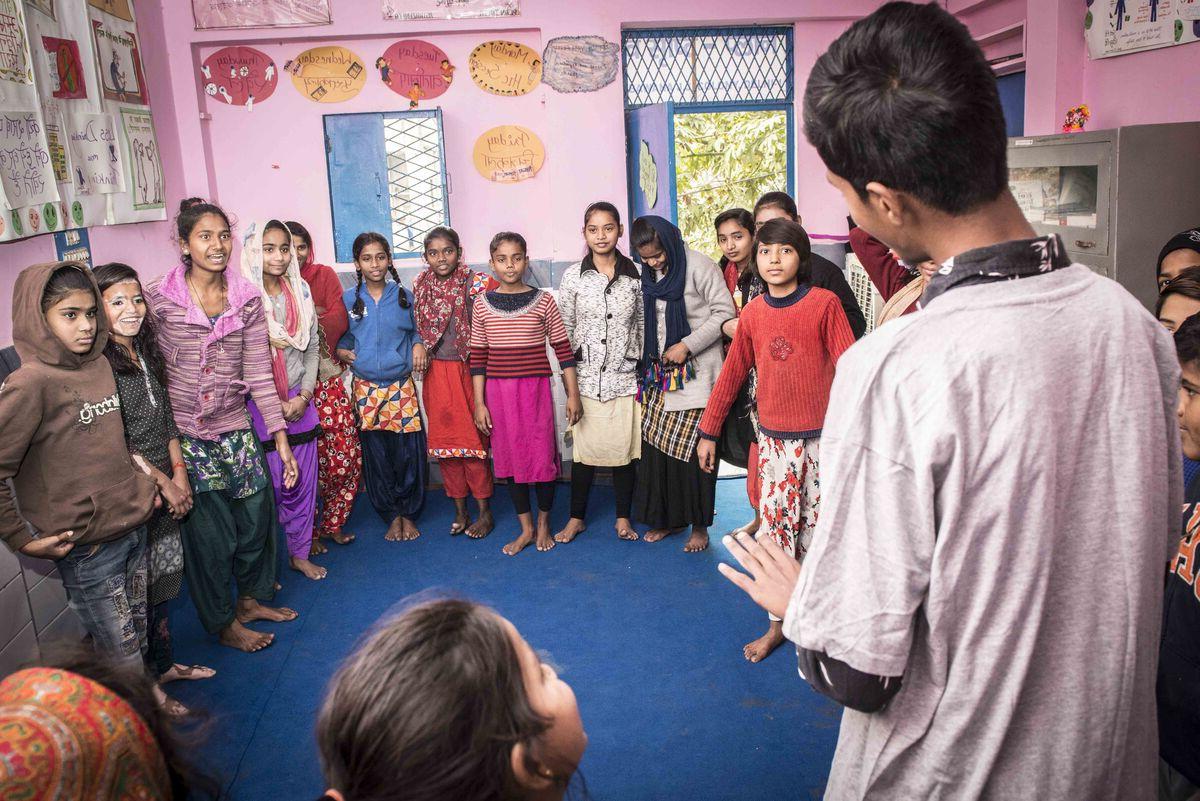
(479, 344)
(556, 332)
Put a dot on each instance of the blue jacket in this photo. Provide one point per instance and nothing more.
(382, 337)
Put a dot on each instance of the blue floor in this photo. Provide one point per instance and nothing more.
(649, 638)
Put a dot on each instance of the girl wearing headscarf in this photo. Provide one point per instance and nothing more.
(685, 302)
(269, 263)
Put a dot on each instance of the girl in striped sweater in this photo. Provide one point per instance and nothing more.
(511, 376)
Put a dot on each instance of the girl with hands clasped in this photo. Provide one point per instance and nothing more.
(511, 373)
(383, 352)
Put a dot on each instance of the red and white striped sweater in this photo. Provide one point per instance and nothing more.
(513, 344)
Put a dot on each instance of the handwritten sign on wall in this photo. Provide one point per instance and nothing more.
(95, 154)
(580, 63)
(412, 61)
(26, 172)
(449, 9)
(15, 63)
(509, 153)
(141, 154)
(505, 68)
(259, 13)
(328, 74)
(239, 76)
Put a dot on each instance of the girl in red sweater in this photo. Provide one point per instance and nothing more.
(793, 335)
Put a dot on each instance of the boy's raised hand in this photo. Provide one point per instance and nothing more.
(706, 453)
(56, 546)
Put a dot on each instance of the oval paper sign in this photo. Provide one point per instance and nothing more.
(239, 76)
(505, 68)
(509, 153)
(411, 61)
(328, 74)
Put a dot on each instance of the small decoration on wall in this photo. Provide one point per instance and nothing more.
(15, 63)
(239, 76)
(118, 8)
(77, 212)
(66, 69)
(647, 175)
(58, 152)
(73, 245)
(580, 63)
(141, 154)
(18, 230)
(259, 13)
(50, 215)
(449, 9)
(120, 65)
(505, 68)
(329, 74)
(509, 153)
(35, 220)
(414, 69)
(44, 6)
(1076, 119)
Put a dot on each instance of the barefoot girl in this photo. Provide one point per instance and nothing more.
(213, 334)
(794, 336)
(339, 455)
(685, 303)
(601, 303)
(468, 705)
(269, 264)
(735, 235)
(513, 403)
(444, 297)
(63, 447)
(382, 350)
(153, 440)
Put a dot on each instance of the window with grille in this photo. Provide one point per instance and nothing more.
(416, 177)
(708, 66)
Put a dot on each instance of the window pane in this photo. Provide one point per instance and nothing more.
(417, 197)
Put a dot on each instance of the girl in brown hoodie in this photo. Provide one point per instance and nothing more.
(83, 503)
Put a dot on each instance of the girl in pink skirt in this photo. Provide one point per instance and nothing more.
(511, 372)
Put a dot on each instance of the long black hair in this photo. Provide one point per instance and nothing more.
(145, 343)
(190, 211)
(360, 242)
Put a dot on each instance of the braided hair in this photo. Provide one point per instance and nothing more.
(360, 243)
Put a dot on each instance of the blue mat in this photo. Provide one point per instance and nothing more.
(649, 638)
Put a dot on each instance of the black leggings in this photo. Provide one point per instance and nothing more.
(581, 488)
(520, 496)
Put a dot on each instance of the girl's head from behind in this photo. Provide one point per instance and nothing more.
(448, 701)
(301, 242)
(509, 257)
(782, 253)
(1179, 299)
(442, 250)
(602, 228)
(773, 206)
(205, 235)
(71, 308)
(735, 234)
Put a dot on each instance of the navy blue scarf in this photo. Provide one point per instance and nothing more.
(670, 288)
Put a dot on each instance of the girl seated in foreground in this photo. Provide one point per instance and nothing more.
(448, 701)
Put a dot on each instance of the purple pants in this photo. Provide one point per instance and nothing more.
(296, 508)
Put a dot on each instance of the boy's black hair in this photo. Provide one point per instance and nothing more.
(787, 232)
(360, 242)
(145, 342)
(63, 281)
(779, 200)
(507, 236)
(742, 217)
(1187, 341)
(1187, 283)
(642, 234)
(906, 98)
(190, 211)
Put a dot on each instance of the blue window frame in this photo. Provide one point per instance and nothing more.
(387, 173)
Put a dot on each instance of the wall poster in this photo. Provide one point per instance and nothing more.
(15, 62)
(26, 172)
(121, 75)
(328, 74)
(95, 157)
(1117, 27)
(411, 65)
(118, 8)
(259, 13)
(449, 9)
(505, 68)
(507, 154)
(239, 76)
(580, 63)
(145, 168)
(66, 68)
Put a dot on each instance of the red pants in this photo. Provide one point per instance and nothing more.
(339, 456)
(753, 485)
(461, 475)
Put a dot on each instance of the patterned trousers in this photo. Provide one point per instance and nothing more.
(339, 455)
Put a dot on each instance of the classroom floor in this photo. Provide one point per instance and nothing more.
(649, 638)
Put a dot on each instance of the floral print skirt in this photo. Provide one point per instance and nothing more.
(790, 497)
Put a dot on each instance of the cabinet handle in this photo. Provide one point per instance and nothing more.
(1079, 243)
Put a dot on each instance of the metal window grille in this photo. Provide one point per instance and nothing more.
(706, 66)
(416, 177)
(865, 292)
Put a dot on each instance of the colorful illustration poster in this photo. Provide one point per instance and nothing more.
(15, 62)
(66, 68)
(58, 153)
(1117, 27)
(120, 65)
(259, 13)
(449, 9)
(328, 74)
(95, 158)
(507, 154)
(118, 8)
(505, 68)
(580, 63)
(144, 166)
(239, 76)
(416, 69)
(44, 6)
(26, 172)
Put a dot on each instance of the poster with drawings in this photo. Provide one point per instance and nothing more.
(1117, 27)
(141, 151)
(26, 171)
(96, 167)
(120, 64)
(15, 62)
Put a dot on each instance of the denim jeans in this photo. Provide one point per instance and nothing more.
(106, 587)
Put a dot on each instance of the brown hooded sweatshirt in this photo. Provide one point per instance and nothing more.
(61, 438)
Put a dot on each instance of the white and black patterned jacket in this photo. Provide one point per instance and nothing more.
(604, 321)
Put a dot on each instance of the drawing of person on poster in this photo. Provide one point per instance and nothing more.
(117, 75)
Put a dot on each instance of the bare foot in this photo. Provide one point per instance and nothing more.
(235, 635)
(760, 649)
(748, 528)
(341, 537)
(544, 541)
(481, 527)
(461, 521)
(518, 545)
(656, 534)
(408, 530)
(173, 708)
(697, 542)
(317, 548)
(314, 572)
(179, 672)
(395, 531)
(571, 530)
(625, 529)
(249, 609)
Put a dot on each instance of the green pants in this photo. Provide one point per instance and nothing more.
(226, 540)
